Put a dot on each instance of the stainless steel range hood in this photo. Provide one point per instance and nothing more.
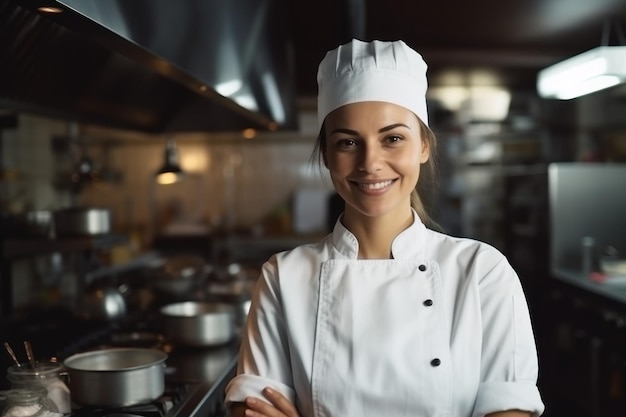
(150, 65)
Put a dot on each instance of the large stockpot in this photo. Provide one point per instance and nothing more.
(116, 377)
(199, 323)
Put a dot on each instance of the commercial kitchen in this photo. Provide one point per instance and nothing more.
(154, 154)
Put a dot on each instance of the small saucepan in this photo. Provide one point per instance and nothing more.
(199, 323)
(116, 377)
(82, 221)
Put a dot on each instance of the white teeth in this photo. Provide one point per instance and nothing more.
(376, 185)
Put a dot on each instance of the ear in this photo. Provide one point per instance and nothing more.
(425, 154)
(426, 138)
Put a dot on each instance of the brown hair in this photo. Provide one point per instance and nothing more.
(427, 182)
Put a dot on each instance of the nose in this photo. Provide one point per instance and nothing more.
(371, 159)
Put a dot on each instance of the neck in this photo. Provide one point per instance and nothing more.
(376, 234)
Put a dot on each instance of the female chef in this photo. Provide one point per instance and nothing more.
(384, 316)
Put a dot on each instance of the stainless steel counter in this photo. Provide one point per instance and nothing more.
(615, 292)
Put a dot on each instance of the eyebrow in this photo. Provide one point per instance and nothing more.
(381, 130)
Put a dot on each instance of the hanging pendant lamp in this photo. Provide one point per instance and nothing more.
(170, 172)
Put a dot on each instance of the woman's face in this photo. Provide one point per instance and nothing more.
(373, 153)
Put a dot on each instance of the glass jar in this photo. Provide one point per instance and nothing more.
(46, 375)
(25, 403)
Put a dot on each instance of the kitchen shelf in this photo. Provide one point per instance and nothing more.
(13, 248)
(21, 247)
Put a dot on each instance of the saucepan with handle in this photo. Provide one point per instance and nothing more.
(116, 377)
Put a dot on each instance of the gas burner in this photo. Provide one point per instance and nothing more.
(174, 394)
(156, 408)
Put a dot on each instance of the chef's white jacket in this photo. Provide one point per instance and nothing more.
(442, 329)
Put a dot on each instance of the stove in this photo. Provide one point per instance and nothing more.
(195, 378)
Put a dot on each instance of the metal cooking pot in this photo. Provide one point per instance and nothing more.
(102, 302)
(199, 323)
(82, 221)
(116, 377)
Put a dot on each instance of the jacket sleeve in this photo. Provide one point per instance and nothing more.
(264, 353)
(509, 364)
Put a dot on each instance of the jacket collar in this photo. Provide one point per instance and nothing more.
(407, 244)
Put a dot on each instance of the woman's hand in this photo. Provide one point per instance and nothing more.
(280, 406)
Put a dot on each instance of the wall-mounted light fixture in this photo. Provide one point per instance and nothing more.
(591, 71)
(170, 172)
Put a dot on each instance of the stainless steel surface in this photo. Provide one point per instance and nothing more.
(586, 200)
(82, 221)
(204, 364)
(116, 376)
(208, 396)
(231, 70)
(101, 301)
(199, 323)
(235, 291)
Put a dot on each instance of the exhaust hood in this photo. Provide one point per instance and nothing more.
(155, 66)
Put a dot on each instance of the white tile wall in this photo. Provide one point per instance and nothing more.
(230, 179)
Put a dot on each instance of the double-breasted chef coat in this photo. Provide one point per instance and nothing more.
(442, 329)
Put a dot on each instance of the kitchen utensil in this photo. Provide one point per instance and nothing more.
(82, 221)
(116, 377)
(198, 323)
(29, 354)
(12, 354)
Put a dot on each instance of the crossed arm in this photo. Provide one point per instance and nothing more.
(282, 407)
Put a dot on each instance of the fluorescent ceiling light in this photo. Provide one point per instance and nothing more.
(591, 71)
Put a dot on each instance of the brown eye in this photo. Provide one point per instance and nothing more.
(346, 143)
(393, 139)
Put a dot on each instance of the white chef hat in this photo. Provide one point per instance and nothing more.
(372, 71)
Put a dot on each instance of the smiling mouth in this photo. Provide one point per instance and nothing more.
(374, 185)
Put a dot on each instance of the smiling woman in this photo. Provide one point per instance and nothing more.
(384, 316)
(375, 164)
